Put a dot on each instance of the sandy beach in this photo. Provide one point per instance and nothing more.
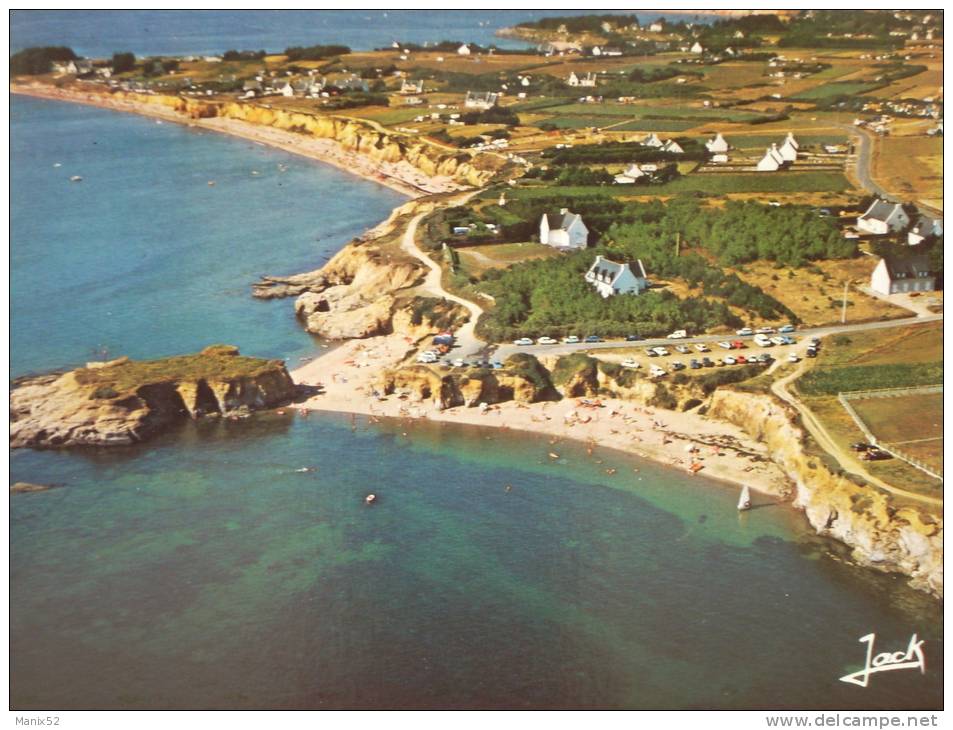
(347, 373)
(400, 176)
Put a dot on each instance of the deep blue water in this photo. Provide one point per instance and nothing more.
(203, 570)
(180, 32)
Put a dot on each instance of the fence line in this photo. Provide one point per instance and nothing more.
(889, 393)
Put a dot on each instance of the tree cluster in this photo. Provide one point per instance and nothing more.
(39, 60)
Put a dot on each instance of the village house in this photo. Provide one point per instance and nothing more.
(412, 87)
(606, 51)
(789, 148)
(610, 278)
(883, 217)
(588, 80)
(633, 173)
(697, 47)
(80, 67)
(772, 160)
(463, 50)
(656, 28)
(563, 230)
(481, 100)
(652, 141)
(924, 228)
(672, 147)
(901, 274)
(717, 145)
(251, 88)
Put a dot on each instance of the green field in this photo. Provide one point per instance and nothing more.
(910, 424)
(656, 125)
(761, 141)
(833, 380)
(850, 88)
(786, 182)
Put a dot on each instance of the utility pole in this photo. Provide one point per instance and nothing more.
(843, 310)
(678, 241)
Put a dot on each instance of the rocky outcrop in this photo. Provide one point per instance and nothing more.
(123, 401)
(882, 535)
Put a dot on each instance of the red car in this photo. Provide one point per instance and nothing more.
(741, 359)
(737, 345)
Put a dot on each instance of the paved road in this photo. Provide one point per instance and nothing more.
(845, 458)
(504, 351)
(863, 155)
(467, 344)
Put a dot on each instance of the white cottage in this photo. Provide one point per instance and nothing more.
(717, 145)
(883, 217)
(588, 80)
(672, 147)
(412, 87)
(463, 50)
(610, 278)
(898, 275)
(772, 160)
(563, 230)
(924, 228)
(789, 148)
(652, 141)
(480, 100)
(633, 173)
(697, 47)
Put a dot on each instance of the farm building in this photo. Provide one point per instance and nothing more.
(883, 217)
(897, 275)
(924, 228)
(631, 174)
(717, 144)
(789, 148)
(588, 80)
(563, 230)
(652, 141)
(610, 278)
(481, 100)
(412, 87)
(673, 147)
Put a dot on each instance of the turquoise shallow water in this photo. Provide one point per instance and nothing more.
(202, 570)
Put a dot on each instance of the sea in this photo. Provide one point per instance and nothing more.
(234, 564)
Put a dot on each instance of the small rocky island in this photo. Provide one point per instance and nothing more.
(122, 401)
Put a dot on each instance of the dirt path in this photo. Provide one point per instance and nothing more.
(844, 458)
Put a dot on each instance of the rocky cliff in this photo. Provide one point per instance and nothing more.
(123, 401)
(882, 535)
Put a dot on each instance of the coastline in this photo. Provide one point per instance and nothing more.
(347, 374)
(401, 176)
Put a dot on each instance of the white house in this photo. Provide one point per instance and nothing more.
(563, 230)
(610, 278)
(672, 147)
(789, 148)
(697, 47)
(652, 141)
(481, 100)
(656, 28)
(606, 51)
(771, 161)
(717, 145)
(883, 217)
(412, 87)
(897, 275)
(464, 50)
(633, 173)
(284, 88)
(79, 67)
(923, 228)
(588, 80)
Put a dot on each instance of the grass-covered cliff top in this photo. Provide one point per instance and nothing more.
(216, 362)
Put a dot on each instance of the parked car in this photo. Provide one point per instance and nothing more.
(678, 335)
(811, 352)
(496, 364)
(682, 349)
(741, 359)
(719, 362)
(656, 371)
(745, 332)
(707, 362)
(786, 340)
(860, 446)
(426, 359)
(764, 358)
(661, 352)
(785, 329)
(458, 363)
(630, 362)
(764, 331)
(523, 341)
(762, 341)
(545, 341)
(793, 357)
(593, 338)
(650, 351)
(725, 344)
(738, 345)
(779, 340)
(633, 338)
(702, 347)
(730, 360)
(676, 365)
(694, 364)
(571, 340)
(875, 454)
(815, 341)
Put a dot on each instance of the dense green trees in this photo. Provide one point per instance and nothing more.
(39, 60)
(315, 53)
(123, 61)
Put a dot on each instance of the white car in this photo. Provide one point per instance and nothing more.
(793, 357)
(458, 363)
(661, 351)
(702, 347)
(571, 340)
(426, 359)
(678, 335)
(630, 362)
(682, 349)
(523, 341)
(762, 341)
(656, 371)
(765, 331)
(778, 340)
(729, 360)
(725, 344)
(545, 341)
(744, 332)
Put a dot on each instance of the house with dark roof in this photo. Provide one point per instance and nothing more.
(610, 278)
(924, 228)
(563, 230)
(901, 274)
(883, 217)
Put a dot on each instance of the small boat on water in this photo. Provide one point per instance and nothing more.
(370, 499)
(744, 501)
(76, 178)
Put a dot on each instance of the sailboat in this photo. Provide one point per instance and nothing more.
(744, 501)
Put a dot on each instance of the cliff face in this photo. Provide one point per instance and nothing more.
(122, 402)
(422, 384)
(904, 539)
